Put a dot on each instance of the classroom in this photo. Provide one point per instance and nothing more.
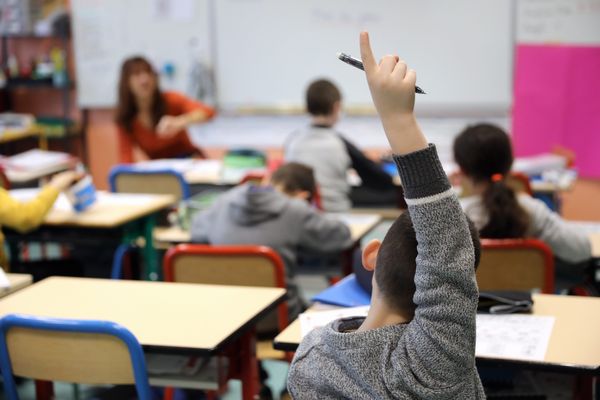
(286, 199)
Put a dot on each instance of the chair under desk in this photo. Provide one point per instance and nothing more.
(166, 318)
(114, 217)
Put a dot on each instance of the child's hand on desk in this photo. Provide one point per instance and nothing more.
(392, 87)
(170, 125)
(65, 179)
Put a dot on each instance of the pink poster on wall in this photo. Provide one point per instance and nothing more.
(557, 103)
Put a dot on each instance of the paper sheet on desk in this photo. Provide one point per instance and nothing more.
(522, 337)
(34, 160)
(175, 165)
(312, 320)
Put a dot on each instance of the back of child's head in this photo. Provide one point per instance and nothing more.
(321, 97)
(295, 177)
(396, 264)
(484, 154)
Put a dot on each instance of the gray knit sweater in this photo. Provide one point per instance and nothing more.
(431, 357)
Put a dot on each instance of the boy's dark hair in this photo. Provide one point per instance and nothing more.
(482, 151)
(321, 96)
(396, 264)
(295, 177)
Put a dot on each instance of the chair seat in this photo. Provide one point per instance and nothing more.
(265, 351)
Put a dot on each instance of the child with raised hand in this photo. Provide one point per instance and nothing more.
(25, 216)
(418, 339)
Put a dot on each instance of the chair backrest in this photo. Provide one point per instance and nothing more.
(129, 179)
(515, 264)
(230, 265)
(255, 177)
(90, 352)
(519, 182)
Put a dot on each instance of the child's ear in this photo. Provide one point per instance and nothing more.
(369, 254)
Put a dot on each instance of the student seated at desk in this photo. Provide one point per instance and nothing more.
(321, 147)
(418, 339)
(277, 214)
(152, 120)
(27, 216)
(484, 154)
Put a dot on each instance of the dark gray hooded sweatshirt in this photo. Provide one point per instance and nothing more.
(250, 214)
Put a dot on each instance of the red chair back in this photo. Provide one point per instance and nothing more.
(244, 265)
(516, 264)
(519, 182)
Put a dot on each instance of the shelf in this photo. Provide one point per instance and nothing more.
(35, 84)
(32, 36)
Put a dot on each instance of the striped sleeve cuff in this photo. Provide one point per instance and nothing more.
(422, 174)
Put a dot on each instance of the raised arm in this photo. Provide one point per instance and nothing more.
(25, 216)
(439, 343)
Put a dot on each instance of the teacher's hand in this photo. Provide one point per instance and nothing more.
(170, 125)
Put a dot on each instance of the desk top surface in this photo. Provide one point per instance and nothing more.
(166, 315)
(359, 223)
(574, 339)
(110, 210)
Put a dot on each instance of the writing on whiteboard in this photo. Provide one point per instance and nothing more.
(558, 21)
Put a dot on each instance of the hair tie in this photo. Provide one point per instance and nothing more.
(497, 178)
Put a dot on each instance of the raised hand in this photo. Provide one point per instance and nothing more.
(392, 86)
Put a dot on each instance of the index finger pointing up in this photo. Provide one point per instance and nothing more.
(366, 53)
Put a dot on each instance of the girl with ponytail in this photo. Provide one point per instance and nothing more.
(484, 154)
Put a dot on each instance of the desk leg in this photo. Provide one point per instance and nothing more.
(150, 254)
(44, 390)
(249, 366)
(144, 228)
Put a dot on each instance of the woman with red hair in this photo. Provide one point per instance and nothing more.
(152, 120)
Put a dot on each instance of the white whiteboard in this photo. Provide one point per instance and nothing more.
(559, 22)
(108, 31)
(268, 50)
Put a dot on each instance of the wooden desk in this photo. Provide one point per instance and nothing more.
(360, 224)
(17, 282)
(573, 346)
(200, 172)
(129, 216)
(174, 318)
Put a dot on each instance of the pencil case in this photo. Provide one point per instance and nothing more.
(504, 302)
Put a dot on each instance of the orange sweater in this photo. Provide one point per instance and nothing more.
(158, 147)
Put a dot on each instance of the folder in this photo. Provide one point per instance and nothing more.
(345, 293)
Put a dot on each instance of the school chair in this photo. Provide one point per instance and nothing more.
(232, 265)
(79, 351)
(519, 182)
(515, 264)
(253, 177)
(243, 265)
(126, 178)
